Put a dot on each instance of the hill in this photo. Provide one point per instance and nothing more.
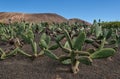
(76, 20)
(5, 17)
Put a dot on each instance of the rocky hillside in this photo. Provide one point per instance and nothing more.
(5, 17)
(42, 17)
(76, 20)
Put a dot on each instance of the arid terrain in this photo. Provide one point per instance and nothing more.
(37, 18)
(21, 67)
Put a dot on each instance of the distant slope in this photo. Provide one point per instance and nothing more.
(5, 17)
(41, 17)
(73, 20)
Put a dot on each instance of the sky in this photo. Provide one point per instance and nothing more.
(106, 10)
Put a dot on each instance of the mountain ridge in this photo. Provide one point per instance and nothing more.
(5, 17)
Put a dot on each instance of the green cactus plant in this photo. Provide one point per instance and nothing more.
(70, 38)
(74, 49)
(75, 53)
(45, 46)
(5, 55)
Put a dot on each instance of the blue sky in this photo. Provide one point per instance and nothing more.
(106, 10)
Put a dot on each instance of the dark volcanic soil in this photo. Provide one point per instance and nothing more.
(20, 67)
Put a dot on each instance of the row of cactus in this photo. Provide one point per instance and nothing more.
(75, 53)
(74, 37)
